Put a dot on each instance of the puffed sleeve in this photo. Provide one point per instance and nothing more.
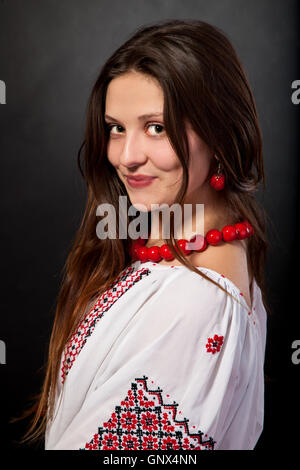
(183, 375)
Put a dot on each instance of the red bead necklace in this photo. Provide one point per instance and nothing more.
(238, 231)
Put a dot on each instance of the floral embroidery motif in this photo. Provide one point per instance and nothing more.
(144, 422)
(126, 279)
(214, 344)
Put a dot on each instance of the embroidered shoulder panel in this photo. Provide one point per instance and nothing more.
(126, 279)
(143, 421)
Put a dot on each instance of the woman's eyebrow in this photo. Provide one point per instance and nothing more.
(140, 118)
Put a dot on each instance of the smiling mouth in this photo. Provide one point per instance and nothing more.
(141, 182)
(139, 177)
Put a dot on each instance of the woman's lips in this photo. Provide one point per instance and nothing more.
(141, 183)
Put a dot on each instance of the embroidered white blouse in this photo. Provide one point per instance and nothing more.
(164, 359)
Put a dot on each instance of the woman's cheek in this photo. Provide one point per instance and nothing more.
(164, 159)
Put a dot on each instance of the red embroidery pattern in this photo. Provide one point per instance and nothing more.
(214, 344)
(144, 422)
(126, 279)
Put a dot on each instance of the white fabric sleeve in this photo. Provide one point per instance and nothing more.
(176, 376)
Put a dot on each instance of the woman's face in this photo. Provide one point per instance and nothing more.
(138, 144)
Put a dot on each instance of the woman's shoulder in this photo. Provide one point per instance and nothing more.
(208, 293)
(226, 263)
(230, 260)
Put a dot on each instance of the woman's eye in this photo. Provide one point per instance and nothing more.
(156, 126)
(113, 125)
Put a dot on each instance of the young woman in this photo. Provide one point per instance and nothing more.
(156, 345)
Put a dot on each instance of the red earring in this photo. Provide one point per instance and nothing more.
(218, 179)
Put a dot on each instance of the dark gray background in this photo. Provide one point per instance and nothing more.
(51, 53)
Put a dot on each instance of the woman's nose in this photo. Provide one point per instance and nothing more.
(132, 153)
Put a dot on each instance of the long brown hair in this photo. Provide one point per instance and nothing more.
(203, 82)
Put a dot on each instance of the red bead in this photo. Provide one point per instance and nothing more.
(182, 245)
(249, 227)
(135, 244)
(153, 254)
(229, 233)
(218, 182)
(201, 243)
(213, 237)
(142, 253)
(165, 253)
(241, 231)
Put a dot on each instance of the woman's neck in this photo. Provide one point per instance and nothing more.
(212, 214)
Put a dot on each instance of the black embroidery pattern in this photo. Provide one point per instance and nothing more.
(126, 279)
(143, 422)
